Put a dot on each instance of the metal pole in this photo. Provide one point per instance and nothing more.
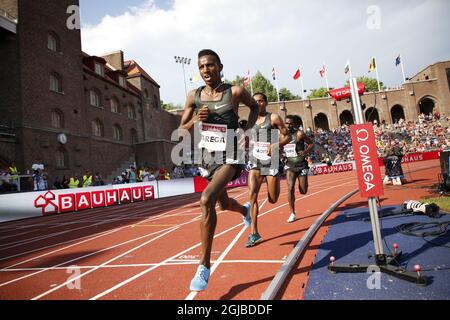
(184, 75)
(372, 201)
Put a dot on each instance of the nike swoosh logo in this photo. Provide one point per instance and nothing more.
(216, 107)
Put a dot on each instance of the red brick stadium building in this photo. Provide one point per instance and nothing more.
(68, 110)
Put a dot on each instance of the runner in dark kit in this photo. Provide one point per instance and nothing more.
(296, 164)
(214, 109)
(262, 165)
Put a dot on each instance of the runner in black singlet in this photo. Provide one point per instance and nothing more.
(262, 165)
(214, 110)
(296, 166)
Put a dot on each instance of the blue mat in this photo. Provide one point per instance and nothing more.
(350, 241)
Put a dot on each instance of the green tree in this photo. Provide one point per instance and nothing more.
(370, 83)
(263, 85)
(286, 95)
(170, 106)
(318, 93)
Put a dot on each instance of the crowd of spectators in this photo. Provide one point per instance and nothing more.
(144, 174)
(428, 133)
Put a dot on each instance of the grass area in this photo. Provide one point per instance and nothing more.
(442, 202)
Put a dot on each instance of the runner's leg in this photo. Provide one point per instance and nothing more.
(208, 200)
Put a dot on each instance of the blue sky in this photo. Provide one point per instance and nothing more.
(258, 35)
(92, 11)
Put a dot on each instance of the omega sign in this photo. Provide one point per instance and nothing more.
(366, 159)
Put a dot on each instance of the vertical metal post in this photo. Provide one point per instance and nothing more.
(184, 76)
(371, 201)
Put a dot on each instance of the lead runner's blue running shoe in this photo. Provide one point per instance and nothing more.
(200, 280)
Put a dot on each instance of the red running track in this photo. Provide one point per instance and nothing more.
(150, 250)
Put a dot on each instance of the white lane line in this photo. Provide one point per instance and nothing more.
(105, 263)
(123, 283)
(24, 223)
(80, 257)
(109, 261)
(193, 294)
(137, 215)
(158, 217)
(103, 216)
(123, 212)
(143, 265)
(141, 213)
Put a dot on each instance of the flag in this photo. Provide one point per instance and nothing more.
(372, 65)
(322, 71)
(347, 67)
(194, 79)
(247, 79)
(297, 74)
(273, 74)
(398, 60)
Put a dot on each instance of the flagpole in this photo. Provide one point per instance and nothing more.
(376, 72)
(326, 76)
(276, 84)
(350, 69)
(403, 70)
(251, 85)
(301, 83)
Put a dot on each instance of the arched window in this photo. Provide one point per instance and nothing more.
(53, 42)
(321, 121)
(372, 115)
(115, 105)
(427, 106)
(346, 118)
(55, 82)
(146, 96)
(61, 159)
(94, 98)
(132, 112)
(57, 119)
(97, 128)
(117, 133)
(397, 113)
(134, 136)
(155, 101)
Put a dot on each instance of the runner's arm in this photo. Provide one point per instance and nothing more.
(278, 123)
(302, 136)
(189, 117)
(246, 98)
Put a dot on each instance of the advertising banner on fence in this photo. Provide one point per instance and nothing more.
(200, 183)
(366, 159)
(33, 204)
(335, 168)
(416, 157)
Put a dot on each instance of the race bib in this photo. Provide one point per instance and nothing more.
(213, 137)
(289, 149)
(260, 150)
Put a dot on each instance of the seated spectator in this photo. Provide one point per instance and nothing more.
(6, 184)
(74, 182)
(132, 174)
(162, 173)
(87, 179)
(57, 184)
(98, 181)
(65, 182)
